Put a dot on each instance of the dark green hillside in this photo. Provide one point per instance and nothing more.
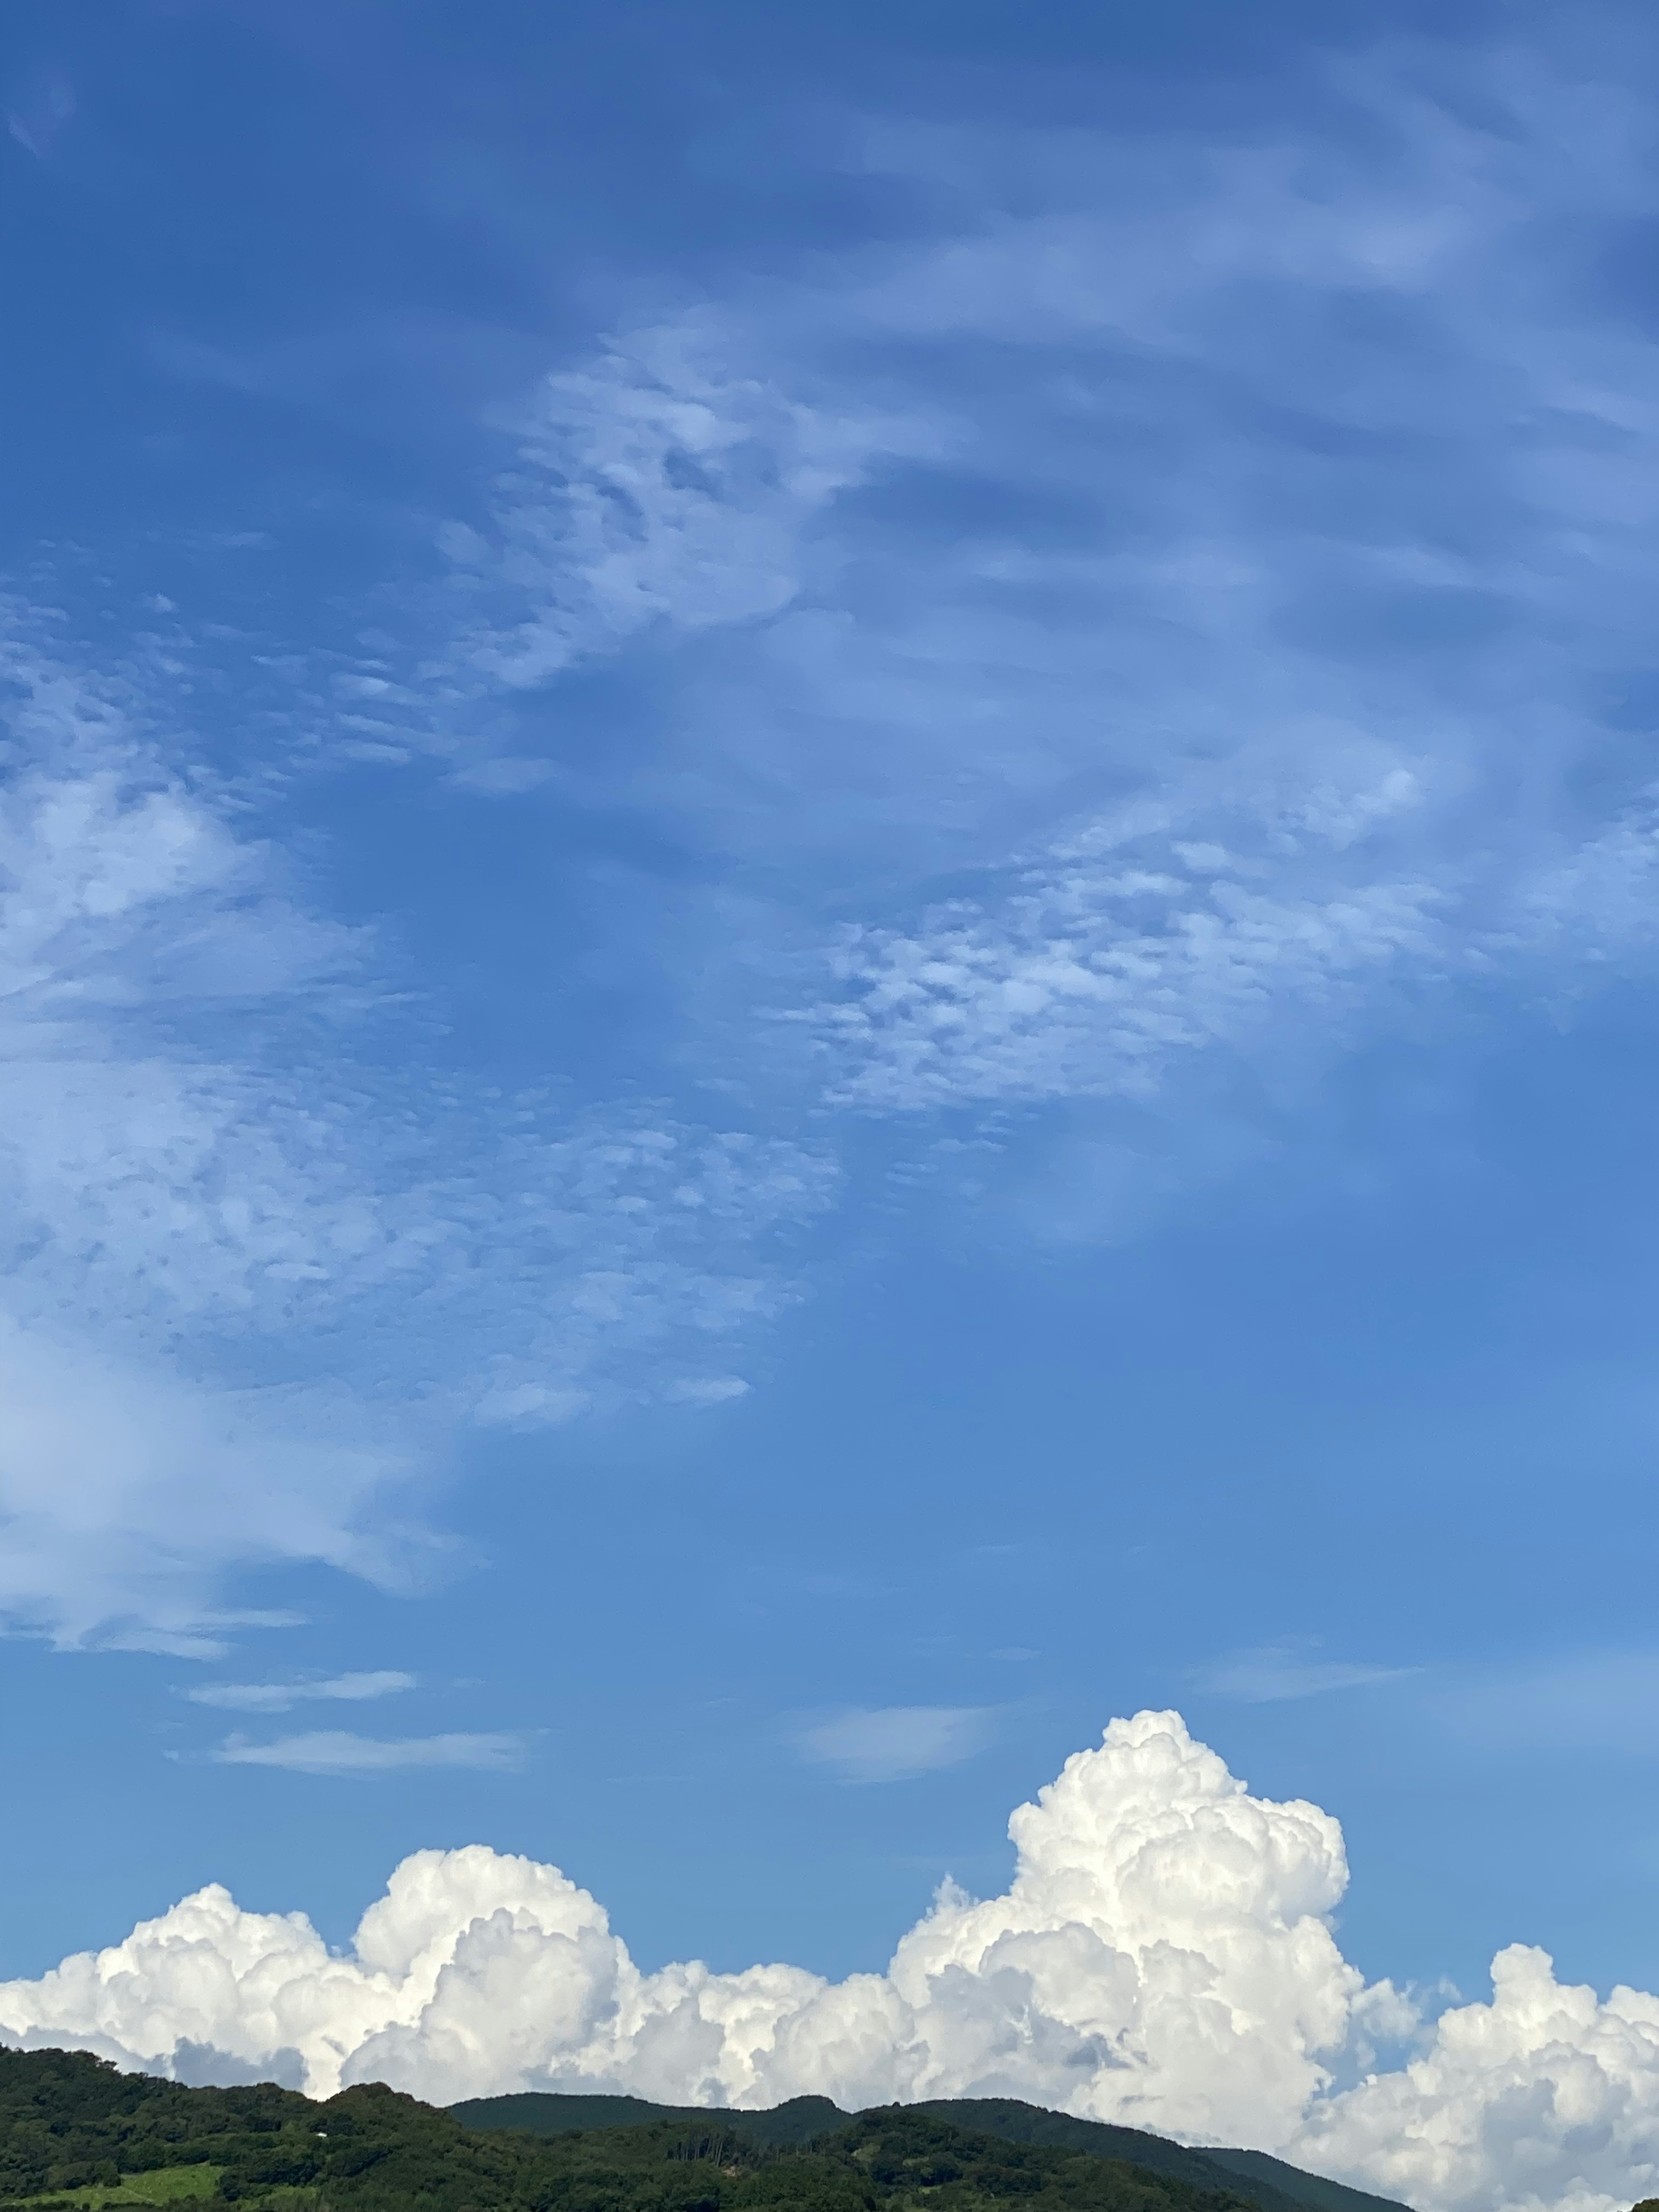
(1251, 2167)
(797, 2121)
(1004, 2116)
(75, 2132)
(1268, 2184)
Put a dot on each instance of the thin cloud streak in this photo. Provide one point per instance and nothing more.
(337, 1751)
(279, 1697)
(893, 1743)
(1279, 1671)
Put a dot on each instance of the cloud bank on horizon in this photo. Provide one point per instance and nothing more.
(1163, 1957)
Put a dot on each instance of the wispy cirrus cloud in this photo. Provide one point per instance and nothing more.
(1149, 674)
(40, 109)
(659, 486)
(890, 1743)
(1277, 1671)
(337, 1751)
(279, 1697)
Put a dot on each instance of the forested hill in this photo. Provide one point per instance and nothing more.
(1266, 2183)
(74, 2132)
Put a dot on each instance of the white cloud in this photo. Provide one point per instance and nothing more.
(887, 1743)
(336, 1750)
(1212, 734)
(1106, 962)
(1284, 1670)
(244, 1278)
(655, 489)
(278, 1697)
(1100, 967)
(1197, 657)
(1163, 1957)
(1545, 2097)
(707, 1389)
(125, 1493)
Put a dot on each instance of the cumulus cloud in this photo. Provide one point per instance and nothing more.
(1545, 2097)
(888, 1742)
(278, 1697)
(1163, 1956)
(337, 1751)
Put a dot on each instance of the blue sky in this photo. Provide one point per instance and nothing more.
(828, 888)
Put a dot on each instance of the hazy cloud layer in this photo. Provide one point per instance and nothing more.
(1163, 1956)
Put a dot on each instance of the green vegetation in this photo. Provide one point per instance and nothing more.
(798, 2122)
(75, 2132)
(1268, 2184)
(163, 2185)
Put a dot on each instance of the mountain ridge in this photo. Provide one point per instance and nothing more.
(78, 2135)
(1270, 2184)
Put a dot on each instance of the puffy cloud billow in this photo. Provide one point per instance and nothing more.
(1163, 1956)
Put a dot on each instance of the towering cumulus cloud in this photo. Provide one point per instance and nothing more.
(1162, 1956)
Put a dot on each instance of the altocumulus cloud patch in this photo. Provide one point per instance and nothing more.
(1163, 1956)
